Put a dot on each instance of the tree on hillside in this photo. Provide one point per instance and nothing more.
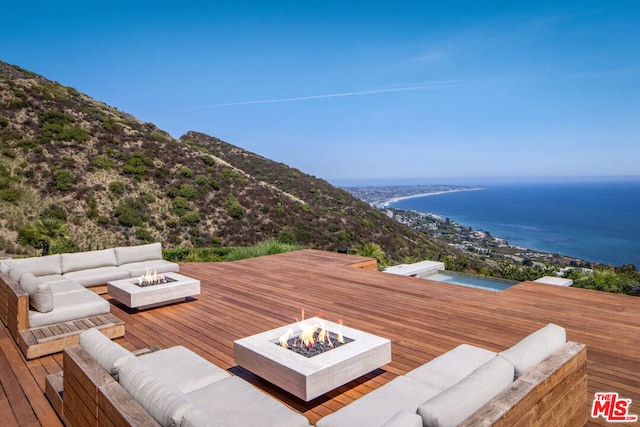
(43, 232)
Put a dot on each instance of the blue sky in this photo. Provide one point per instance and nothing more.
(396, 91)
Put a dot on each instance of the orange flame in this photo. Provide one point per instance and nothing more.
(310, 334)
(151, 277)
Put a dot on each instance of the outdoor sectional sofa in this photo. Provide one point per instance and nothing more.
(539, 381)
(47, 301)
(168, 387)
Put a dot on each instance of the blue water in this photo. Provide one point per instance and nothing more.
(469, 280)
(597, 221)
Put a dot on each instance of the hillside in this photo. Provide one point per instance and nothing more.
(111, 179)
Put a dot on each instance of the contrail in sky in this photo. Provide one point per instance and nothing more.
(336, 95)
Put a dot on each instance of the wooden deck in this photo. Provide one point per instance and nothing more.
(423, 319)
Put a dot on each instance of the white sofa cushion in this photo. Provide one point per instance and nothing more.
(97, 276)
(452, 366)
(198, 417)
(5, 265)
(163, 402)
(534, 348)
(17, 271)
(460, 401)
(382, 404)
(70, 306)
(42, 299)
(50, 278)
(404, 418)
(29, 283)
(182, 368)
(110, 355)
(88, 260)
(65, 287)
(238, 403)
(129, 254)
(137, 269)
(40, 294)
(41, 265)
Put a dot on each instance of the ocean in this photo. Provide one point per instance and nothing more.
(598, 221)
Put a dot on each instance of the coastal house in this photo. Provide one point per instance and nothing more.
(422, 318)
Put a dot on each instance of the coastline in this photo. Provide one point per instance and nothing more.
(435, 193)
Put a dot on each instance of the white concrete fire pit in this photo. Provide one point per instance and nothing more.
(310, 377)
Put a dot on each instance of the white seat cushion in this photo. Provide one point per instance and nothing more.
(137, 269)
(130, 254)
(87, 260)
(65, 287)
(461, 400)
(182, 368)
(49, 278)
(70, 306)
(404, 418)
(97, 276)
(198, 417)
(534, 348)
(110, 355)
(163, 402)
(449, 368)
(238, 403)
(382, 404)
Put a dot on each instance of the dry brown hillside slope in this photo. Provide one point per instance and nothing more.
(111, 179)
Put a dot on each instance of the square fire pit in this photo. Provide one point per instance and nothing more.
(310, 377)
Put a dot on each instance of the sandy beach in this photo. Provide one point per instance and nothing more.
(435, 193)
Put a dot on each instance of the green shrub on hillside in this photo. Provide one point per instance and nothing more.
(116, 187)
(234, 208)
(190, 218)
(186, 172)
(10, 195)
(143, 234)
(208, 160)
(131, 212)
(63, 179)
(103, 162)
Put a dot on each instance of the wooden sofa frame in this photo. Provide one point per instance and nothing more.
(41, 341)
(554, 392)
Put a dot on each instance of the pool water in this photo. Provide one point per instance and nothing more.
(481, 282)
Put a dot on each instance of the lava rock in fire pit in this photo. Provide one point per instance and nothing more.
(319, 346)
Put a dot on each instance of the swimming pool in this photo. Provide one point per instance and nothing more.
(482, 282)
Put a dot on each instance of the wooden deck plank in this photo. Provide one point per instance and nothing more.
(422, 318)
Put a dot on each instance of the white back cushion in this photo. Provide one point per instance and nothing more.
(110, 355)
(17, 271)
(164, 403)
(41, 265)
(458, 402)
(534, 348)
(88, 260)
(127, 255)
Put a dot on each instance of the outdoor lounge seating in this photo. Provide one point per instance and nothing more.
(471, 386)
(47, 301)
(173, 386)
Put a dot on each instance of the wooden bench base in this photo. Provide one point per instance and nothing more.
(37, 342)
(53, 391)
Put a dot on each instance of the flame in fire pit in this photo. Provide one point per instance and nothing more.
(311, 334)
(151, 278)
